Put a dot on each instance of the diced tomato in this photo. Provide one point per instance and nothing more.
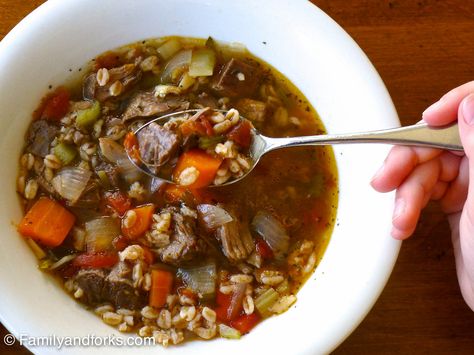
(223, 304)
(95, 260)
(245, 323)
(263, 249)
(148, 255)
(120, 242)
(56, 105)
(208, 126)
(241, 134)
(131, 146)
(189, 127)
(107, 60)
(120, 202)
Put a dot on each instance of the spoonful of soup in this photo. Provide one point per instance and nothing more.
(209, 147)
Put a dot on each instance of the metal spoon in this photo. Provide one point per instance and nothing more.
(445, 137)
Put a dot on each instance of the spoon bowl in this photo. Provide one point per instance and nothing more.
(445, 137)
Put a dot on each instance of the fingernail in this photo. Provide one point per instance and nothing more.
(378, 173)
(434, 107)
(399, 208)
(468, 109)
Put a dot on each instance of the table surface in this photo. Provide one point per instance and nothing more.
(421, 48)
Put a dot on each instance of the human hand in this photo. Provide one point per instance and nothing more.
(422, 174)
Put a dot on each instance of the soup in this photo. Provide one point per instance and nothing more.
(171, 261)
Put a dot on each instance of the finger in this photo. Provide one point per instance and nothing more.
(399, 163)
(439, 190)
(411, 196)
(455, 197)
(449, 164)
(445, 110)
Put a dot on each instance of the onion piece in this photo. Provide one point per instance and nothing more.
(100, 232)
(272, 231)
(62, 261)
(213, 216)
(115, 153)
(111, 150)
(180, 61)
(70, 183)
(201, 279)
(236, 301)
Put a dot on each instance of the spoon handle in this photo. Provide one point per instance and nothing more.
(421, 134)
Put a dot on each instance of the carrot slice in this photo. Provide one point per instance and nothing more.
(47, 222)
(161, 283)
(206, 164)
(144, 217)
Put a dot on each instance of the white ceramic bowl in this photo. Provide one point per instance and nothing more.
(295, 37)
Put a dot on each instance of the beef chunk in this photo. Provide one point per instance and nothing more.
(128, 75)
(40, 135)
(157, 144)
(185, 243)
(92, 282)
(236, 240)
(116, 287)
(253, 110)
(237, 78)
(119, 289)
(145, 104)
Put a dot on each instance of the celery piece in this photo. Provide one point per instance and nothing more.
(265, 301)
(283, 287)
(65, 152)
(228, 332)
(203, 61)
(104, 179)
(169, 48)
(86, 118)
(208, 142)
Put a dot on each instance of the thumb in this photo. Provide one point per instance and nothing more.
(466, 132)
(466, 227)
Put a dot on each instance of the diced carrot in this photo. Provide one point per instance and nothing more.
(241, 134)
(174, 193)
(47, 222)
(161, 283)
(131, 146)
(95, 260)
(148, 255)
(55, 105)
(245, 323)
(120, 202)
(263, 249)
(206, 164)
(120, 242)
(144, 216)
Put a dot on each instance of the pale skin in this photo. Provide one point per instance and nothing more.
(422, 174)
